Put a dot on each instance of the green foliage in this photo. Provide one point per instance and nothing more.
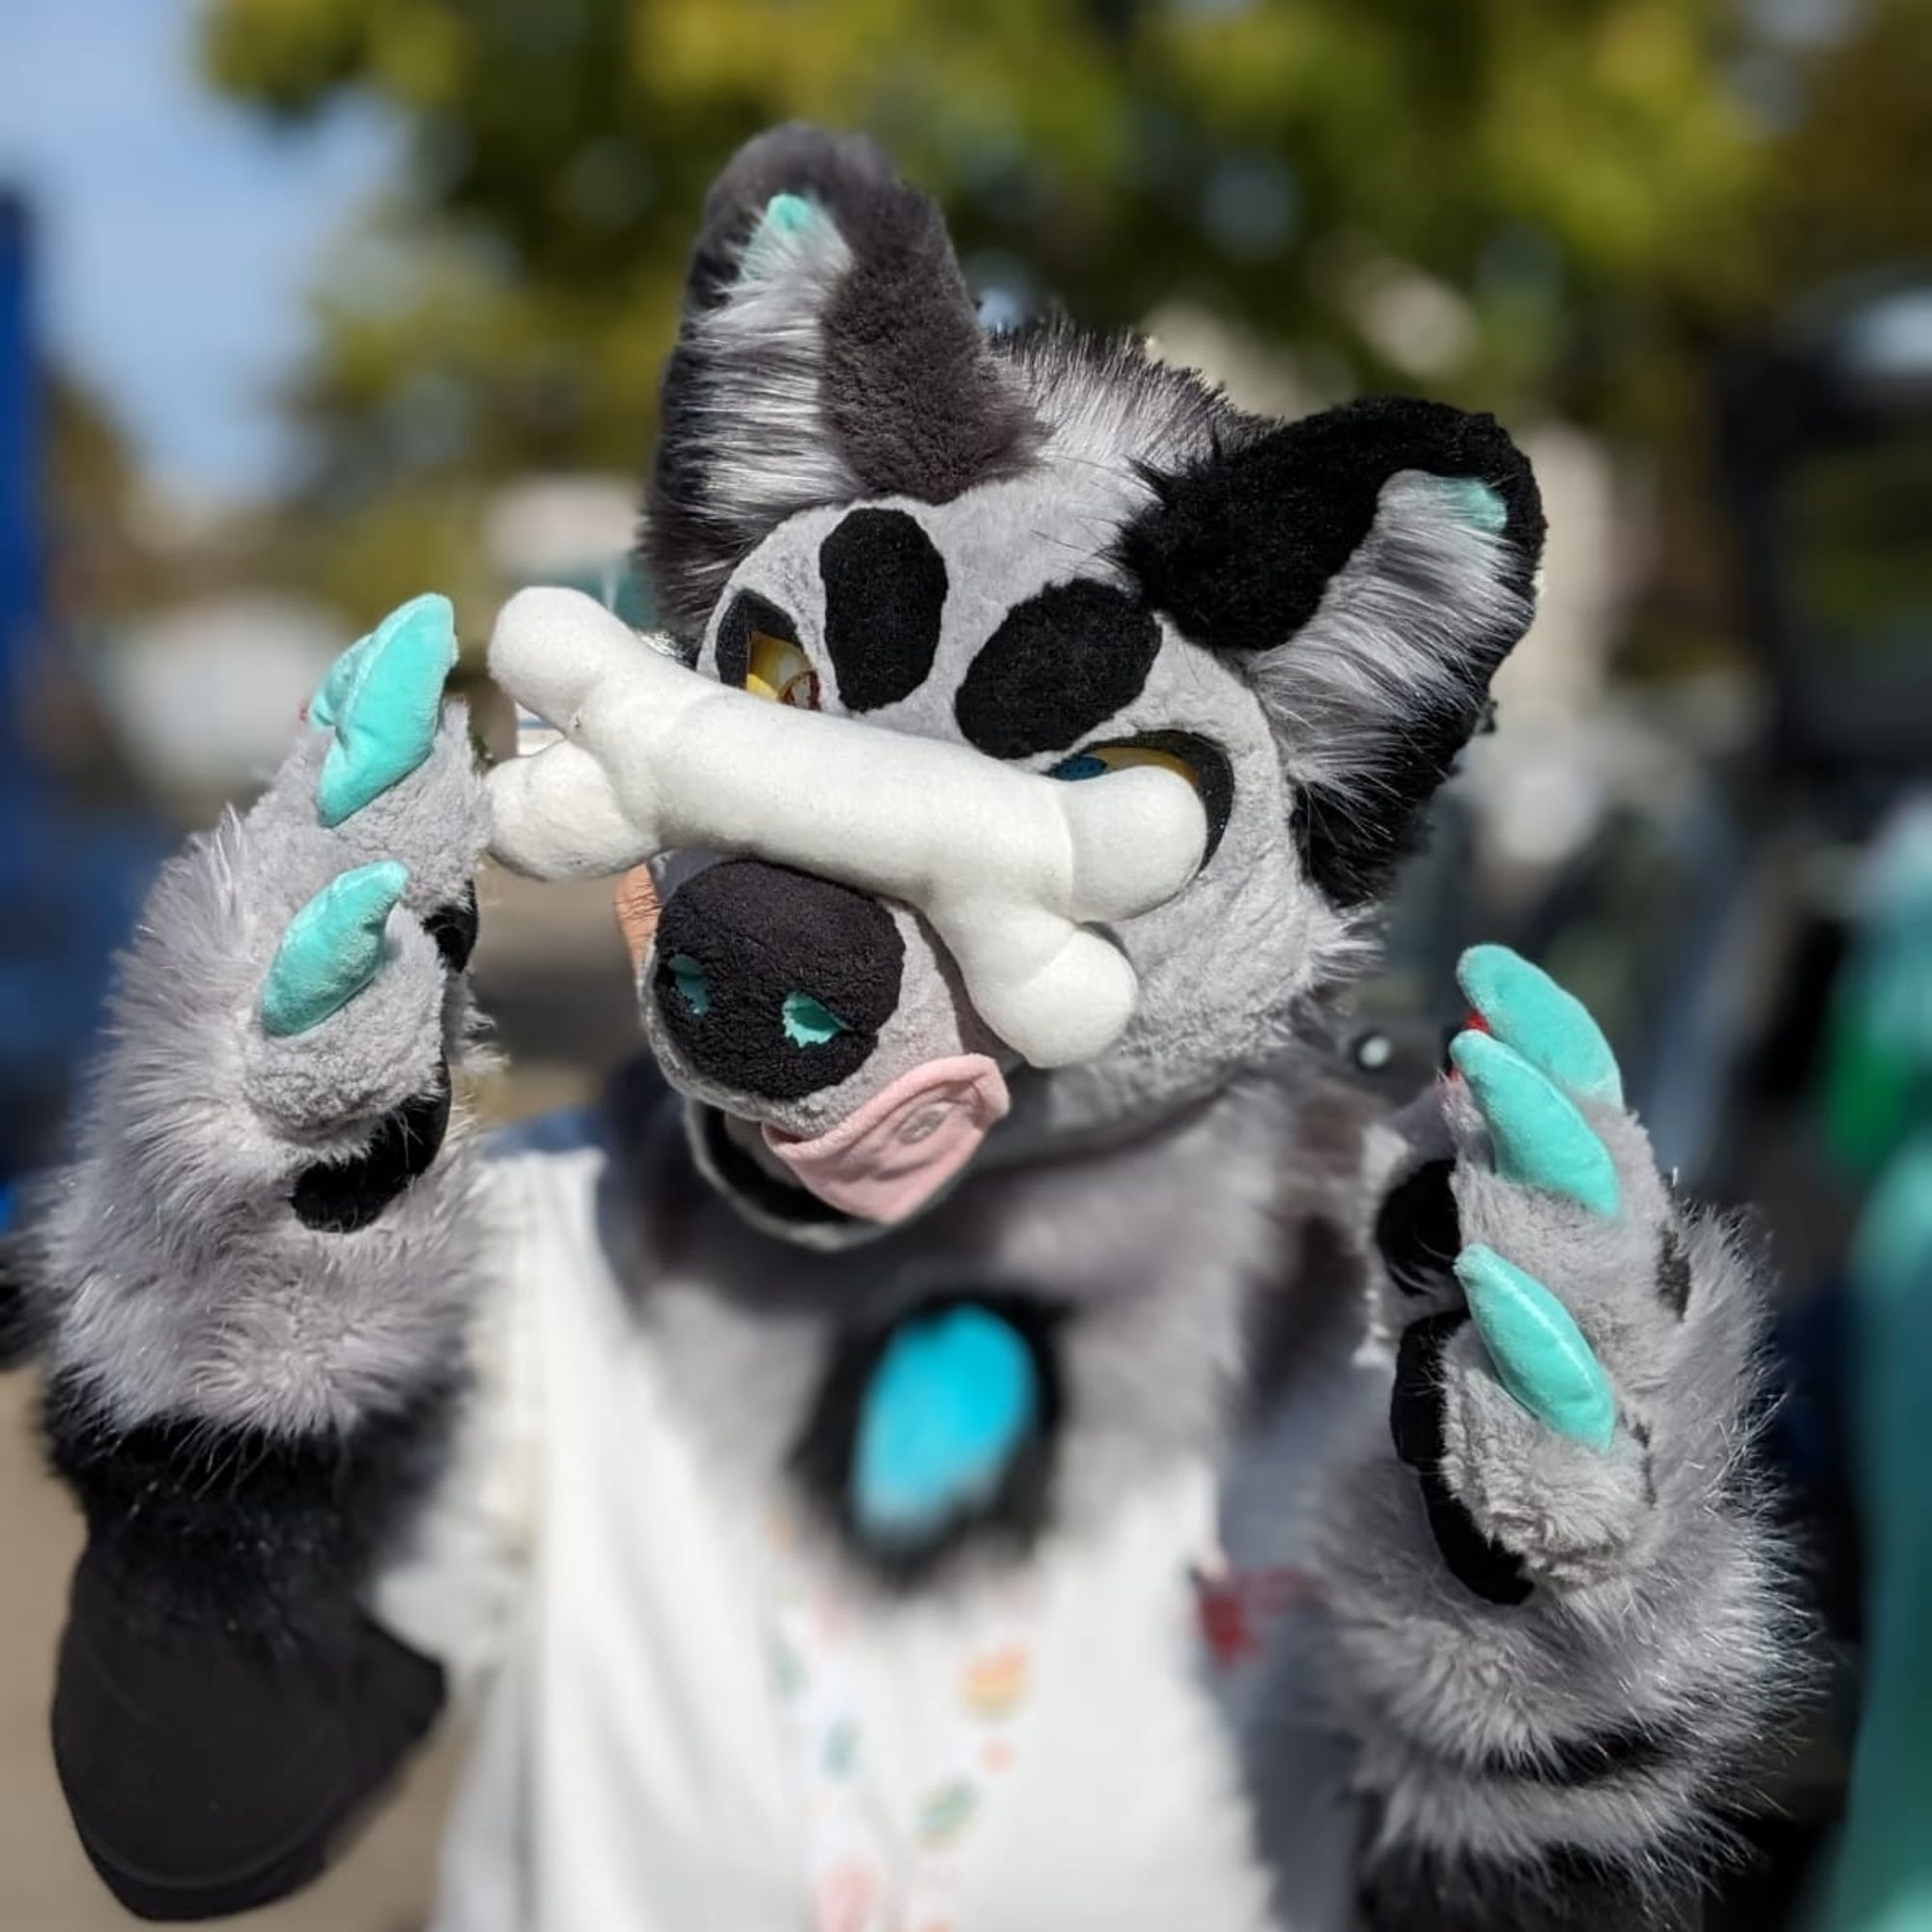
(1506, 201)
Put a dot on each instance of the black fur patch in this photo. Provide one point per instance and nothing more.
(760, 933)
(1061, 665)
(454, 928)
(1012, 1518)
(1566, 1890)
(207, 1777)
(1673, 1273)
(20, 1319)
(885, 590)
(781, 1200)
(1419, 1231)
(259, 1533)
(1415, 1424)
(1620, 1752)
(1240, 549)
(339, 1196)
(749, 612)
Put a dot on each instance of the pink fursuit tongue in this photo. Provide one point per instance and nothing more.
(892, 1156)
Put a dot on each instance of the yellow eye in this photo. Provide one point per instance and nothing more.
(781, 673)
(1096, 761)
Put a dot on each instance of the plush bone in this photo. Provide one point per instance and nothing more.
(1009, 866)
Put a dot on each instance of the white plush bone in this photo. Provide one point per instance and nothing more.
(1007, 866)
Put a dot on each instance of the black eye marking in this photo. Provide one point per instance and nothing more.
(1061, 665)
(749, 612)
(339, 1199)
(885, 588)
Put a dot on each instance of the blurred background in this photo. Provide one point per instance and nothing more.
(307, 305)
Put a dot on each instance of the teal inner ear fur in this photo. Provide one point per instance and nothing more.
(786, 217)
(1475, 502)
(332, 949)
(1538, 1136)
(1526, 1009)
(949, 1403)
(1540, 1353)
(807, 1023)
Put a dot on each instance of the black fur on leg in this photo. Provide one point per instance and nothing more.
(261, 1534)
(19, 1315)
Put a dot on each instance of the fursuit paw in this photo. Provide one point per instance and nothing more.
(350, 891)
(1543, 1280)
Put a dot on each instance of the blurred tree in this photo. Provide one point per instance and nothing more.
(1506, 201)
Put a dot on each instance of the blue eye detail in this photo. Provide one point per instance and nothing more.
(692, 984)
(806, 1023)
(1081, 765)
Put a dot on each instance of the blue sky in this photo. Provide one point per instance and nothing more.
(177, 236)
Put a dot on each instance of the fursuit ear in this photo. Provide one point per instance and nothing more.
(1373, 565)
(829, 351)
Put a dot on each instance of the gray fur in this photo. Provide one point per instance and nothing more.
(1661, 1613)
(1391, 636)
(1251, 927)
(1107, 404)
(181, 1284)
(843, 363)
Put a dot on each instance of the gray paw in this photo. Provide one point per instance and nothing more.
(1542, 1286)
(353, 889)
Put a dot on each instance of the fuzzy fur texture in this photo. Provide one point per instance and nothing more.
(179, 1283)
(838, 361)
(1503, 1741)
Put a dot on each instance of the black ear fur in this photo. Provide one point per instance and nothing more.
(1376, 689)
(908, 400)
(1241, 547)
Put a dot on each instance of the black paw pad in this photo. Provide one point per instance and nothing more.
(1418, 1230)
(1416, 1423)
(453, 927)
(339, 1196)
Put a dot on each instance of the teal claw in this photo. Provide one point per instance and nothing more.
(1526, 1008)
(1540, 1138)
(383, 698)
(332, 949)
(1540, 1353)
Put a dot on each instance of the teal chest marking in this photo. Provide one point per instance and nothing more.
(938, 1429)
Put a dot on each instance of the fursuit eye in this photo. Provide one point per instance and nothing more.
(1097, 760)
(1204, 765)
(778, 669)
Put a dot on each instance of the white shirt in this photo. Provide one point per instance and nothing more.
(686, 1721)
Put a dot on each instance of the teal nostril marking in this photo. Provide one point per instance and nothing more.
(806, 1023)
(690, 983)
